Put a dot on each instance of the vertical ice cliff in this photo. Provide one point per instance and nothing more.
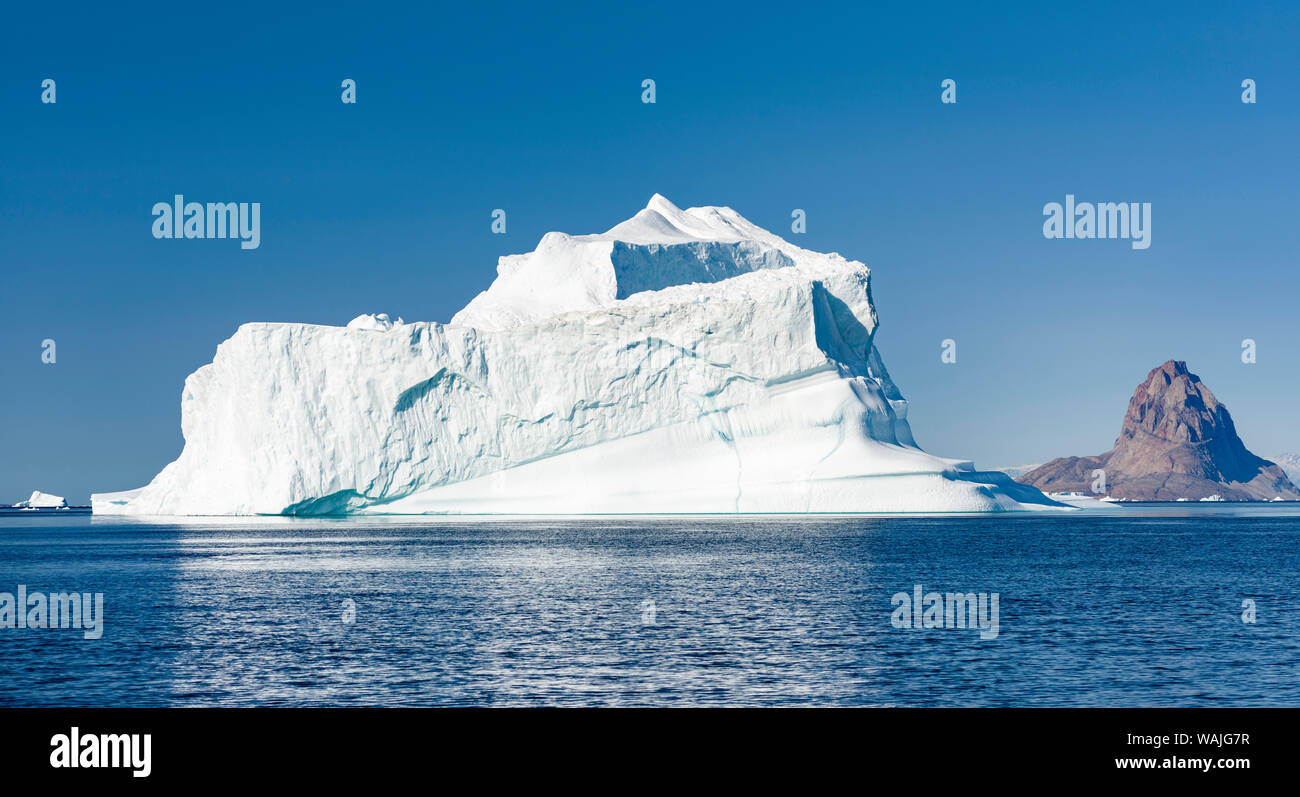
(685, 361)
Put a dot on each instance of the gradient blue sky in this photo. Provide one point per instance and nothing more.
(384, 206)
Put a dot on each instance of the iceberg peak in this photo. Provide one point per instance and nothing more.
(662, 222)
(661, 246)
(662, 204)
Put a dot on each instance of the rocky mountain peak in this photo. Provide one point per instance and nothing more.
(1173, 404)
(1176, 441)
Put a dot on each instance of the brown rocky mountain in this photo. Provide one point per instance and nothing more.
(1177, 441)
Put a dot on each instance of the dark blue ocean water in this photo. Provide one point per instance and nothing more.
(1140, 607)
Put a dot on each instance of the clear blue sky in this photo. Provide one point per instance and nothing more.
(384, 206)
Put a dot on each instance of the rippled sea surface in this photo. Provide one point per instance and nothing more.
(1139, 607)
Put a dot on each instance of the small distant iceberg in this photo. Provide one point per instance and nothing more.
(40, 500)
(1081, 501)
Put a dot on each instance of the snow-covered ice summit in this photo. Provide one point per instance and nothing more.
(685, 361)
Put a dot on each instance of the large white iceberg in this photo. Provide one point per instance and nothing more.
(686, 361)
